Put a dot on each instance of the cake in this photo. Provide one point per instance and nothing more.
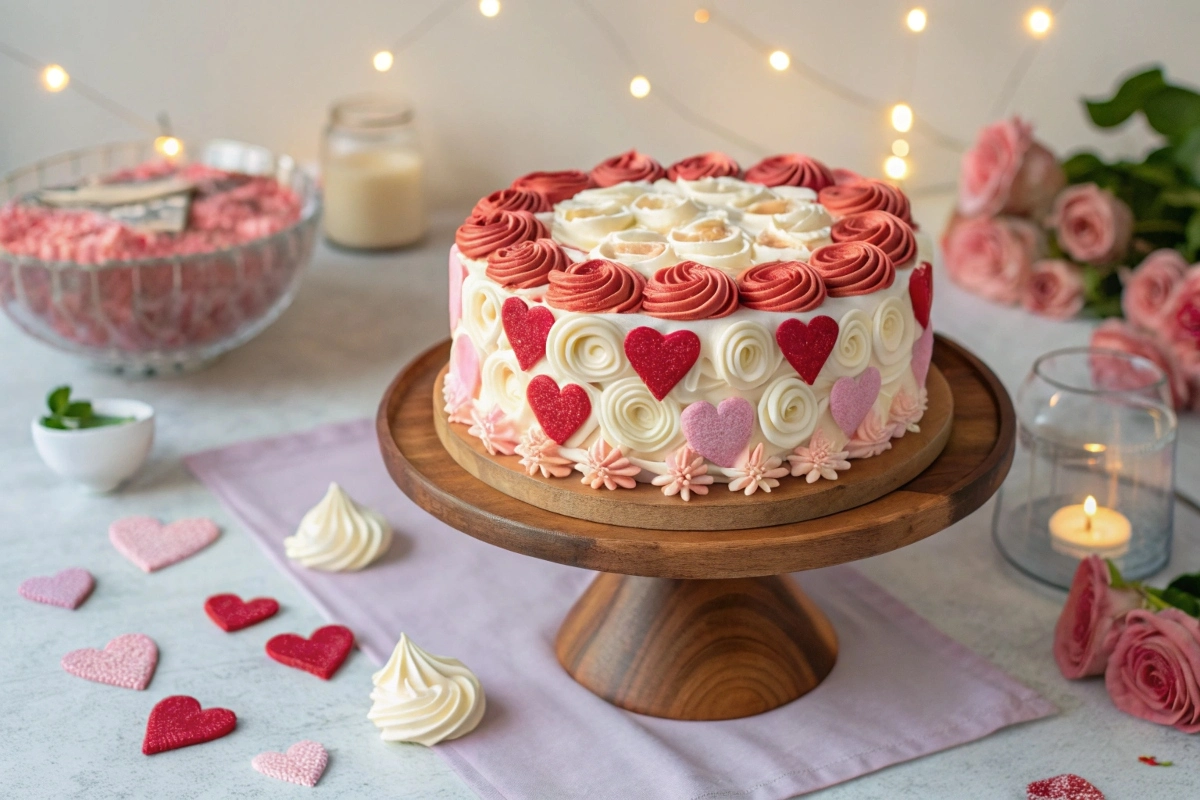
(690, 328)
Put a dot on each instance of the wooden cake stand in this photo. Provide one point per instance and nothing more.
(703, 624)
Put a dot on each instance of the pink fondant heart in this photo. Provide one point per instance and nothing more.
(457, 272)
(127, 661)
(807, 347)
(560, 413)
(527, 329)
(920, 291)
(464, 366)
(151, 545)
(661, 361)
(922, 354)
(67, 589)
(719, 434)
(851, 399)
(303, 763)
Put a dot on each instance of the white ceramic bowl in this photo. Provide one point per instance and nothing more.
(99, 458)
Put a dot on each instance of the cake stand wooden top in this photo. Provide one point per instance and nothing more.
(969, 470)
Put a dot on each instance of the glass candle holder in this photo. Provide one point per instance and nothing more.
(1094, 467)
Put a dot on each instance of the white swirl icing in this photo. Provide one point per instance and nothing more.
(583, 223)
(633, 419)
(662, 211)
(622, 193)
(805, 225)
(482, 300)
(645, 251)
(722, 191)
(852, 353)
(714, 242)
(338, 535)
(587, 348)
(502, 383)
(423, 698)
(892, 332)
(788, 412)
(746, 355)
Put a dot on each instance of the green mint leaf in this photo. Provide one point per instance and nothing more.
(80, 409)
(52, 422)
(100, 421)
(1129, 98)
(58, 399)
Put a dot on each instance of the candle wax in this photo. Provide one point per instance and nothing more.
(1108, 535)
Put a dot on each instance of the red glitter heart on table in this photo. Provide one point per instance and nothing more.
(920, 291)
(303, 763)
(151, 545)
(560, 413)
(321, 654)
(127, 661)
(232, 613)
(1063, 787)
(807, 347)
(178, 721)
(67, 589)
(661, 361)
(527, 329)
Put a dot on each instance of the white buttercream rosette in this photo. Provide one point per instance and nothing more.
(788, 412)
(713, 241)
(584, 223)
(631, 417)
(746, 355)
(852, 352)
(482, 301)
(893, 328)
(502, 383)
(663, 211)
(585, 348)
(645, 251)
(724, 191)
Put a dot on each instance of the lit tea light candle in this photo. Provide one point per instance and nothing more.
(1086, 529)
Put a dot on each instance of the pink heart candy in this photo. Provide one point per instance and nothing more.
(456, 273)
(851, 399)
(67, 589)
(303, 763)
(151, 545)
(127, 661)
(719, 434)
(922, 354)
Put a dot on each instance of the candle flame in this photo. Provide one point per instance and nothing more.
(1089, 506)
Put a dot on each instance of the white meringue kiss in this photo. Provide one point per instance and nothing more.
(338, 535)
(423, 698)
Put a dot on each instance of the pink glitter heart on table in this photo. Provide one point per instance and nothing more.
(303, 763)
(922, 354)
(67, 589)
(1063, 787)
(127, 661)
(851, 399)
(719, 434)
(151, 545)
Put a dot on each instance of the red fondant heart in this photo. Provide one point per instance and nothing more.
(661, 361)
(806, 347)
(231, 613)
(920, 291)
(321, 654)
(178, 721)
(560, 413)
(527, 329)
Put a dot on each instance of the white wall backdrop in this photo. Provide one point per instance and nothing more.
(539, 87)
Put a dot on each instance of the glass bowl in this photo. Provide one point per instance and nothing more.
(159, 315)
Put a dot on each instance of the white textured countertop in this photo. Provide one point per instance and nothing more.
(355, 322)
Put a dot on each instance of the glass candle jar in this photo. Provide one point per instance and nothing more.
(372, 169)
(1094, 467)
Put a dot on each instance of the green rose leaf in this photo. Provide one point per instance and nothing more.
(1192, 235)
(1129, 98)
(58, 399)
(1189, 583)
(1173, 111)
(1084, 167)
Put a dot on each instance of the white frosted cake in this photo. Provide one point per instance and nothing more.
(677, 329)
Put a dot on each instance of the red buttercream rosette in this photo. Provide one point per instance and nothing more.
(781, 286)
(555, 186)
(483, 234)
(597, 286)
(704, 165)
(690, 291)
(526, 265)
(853, 268)
(629, 166)
(513, 200)
(886, 231)
(790, 169)
(868, 194)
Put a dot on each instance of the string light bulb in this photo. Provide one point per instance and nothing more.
(779, 60)
(55, 78)
(639, 87)
(168, 146)
(916, 20)
(1039, 22)
(900, 148)
(383, 60)
(701, 15)
(902, 117)
(895, 168)
(489, 8)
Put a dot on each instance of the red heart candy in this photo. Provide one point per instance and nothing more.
(806, 347)
(661, 361)
(527, 329)
(1063, 787)
(177, 721)
(920, 291)
(321, 654)
(231, 613)
(559, 413)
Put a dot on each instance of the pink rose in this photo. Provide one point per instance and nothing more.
(1055, 289)
(1007, 172)
(1093, 225)
(1154, 671)
(991, 257)
(1180, 322)
(1147, 289)
(1091, 620)
(1115, 334)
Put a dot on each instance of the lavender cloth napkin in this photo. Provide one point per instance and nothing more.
(900, 688)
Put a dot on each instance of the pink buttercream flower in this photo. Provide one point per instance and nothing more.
(1007, 172)
(459, 403)
(992, 257)
(1055, 289)
(539, 453)
(1148, 288)
(1111, 373)
(754, 473)
(686, 473)
(820, 459)
(874, 435)
(1093, 226)
(494, 430)
(1154, 670)
(1091, 620)
(906, 411)
(607, 467)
